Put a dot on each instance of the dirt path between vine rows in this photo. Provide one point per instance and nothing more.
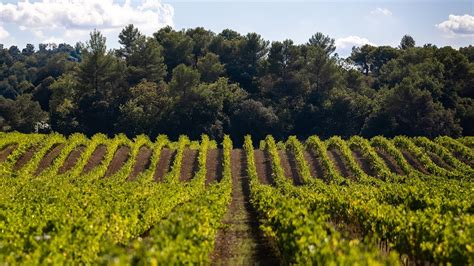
(4, 153)
(48, 159)
(413, 161)
(95, 159)
(164, 164)
(315, 165)
(120, 157)
(142, 162)
(339, 163)
(435, 158)
(389, 161)
(190, 165)
(71, 159)
(26, 157)
(241, 242)
(264, 167)
(289, 166)
(214, 168)
(363, 163)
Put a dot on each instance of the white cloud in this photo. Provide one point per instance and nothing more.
(344, 45)
(4, 34)
(54, 40)
(458, 25)
(381, 12)
(350, 41)
(76, 18)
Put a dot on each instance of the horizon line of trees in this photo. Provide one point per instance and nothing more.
(197, 82)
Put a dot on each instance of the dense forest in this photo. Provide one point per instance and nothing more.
(195, 81)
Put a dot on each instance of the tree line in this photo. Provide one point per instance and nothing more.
(195, 81)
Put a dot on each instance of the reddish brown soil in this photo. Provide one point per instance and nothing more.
(214, 166)
(71, 160)
(164, 164)
(95, 159)
(264, 167)
(241, 242)
(389, 161)
(364, 163)
(6, 151)
(314, 164)
(414, 162)
(439, 162)
(462, 158)
(47, 160)
(189, 166)
(120, 157)
(289, 166)
(142, 162)
(336, 158)
(26, 157)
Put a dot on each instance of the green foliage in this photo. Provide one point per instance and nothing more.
(22, 114)
(210, 67)
(89, 217)
(194, 81)
(407, 42)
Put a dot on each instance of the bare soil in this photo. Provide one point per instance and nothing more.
(363, 162)
(439, 161)
(48, 159)
(241, 242)
(341, 166)
(120, 157)
(142, 162)
(25, 158)
(414, 161)
(189, 166)
(462, 158)
(214, 168)
(95, 159)
(389, 161)
(164, 164)
(5, 152)
(71, 160)
(289, 166)
(264, 167)
(314, 164)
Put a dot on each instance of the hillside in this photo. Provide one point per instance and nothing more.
(122, 201)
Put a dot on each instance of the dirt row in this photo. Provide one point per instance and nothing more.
(241, 242)
(214, 163)
(121, 157)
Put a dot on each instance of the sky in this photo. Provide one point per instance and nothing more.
(350, 23)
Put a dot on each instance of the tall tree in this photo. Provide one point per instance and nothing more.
(201, 40)
(28, 50)
(361, 56)
(146, 62)
(406, 110)
(407, 42)
(184, 79)
(147, 110)
(143, 56)
(128, 38)
(100, 79)
(210, 67)
(324, 42)
(178, 47)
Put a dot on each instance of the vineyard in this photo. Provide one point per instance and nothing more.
(100, 200)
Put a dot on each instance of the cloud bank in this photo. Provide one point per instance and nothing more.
(3, 33)
(344, 45)
(69, 19)
(458, 25)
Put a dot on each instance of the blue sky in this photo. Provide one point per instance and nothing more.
(349, 22)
